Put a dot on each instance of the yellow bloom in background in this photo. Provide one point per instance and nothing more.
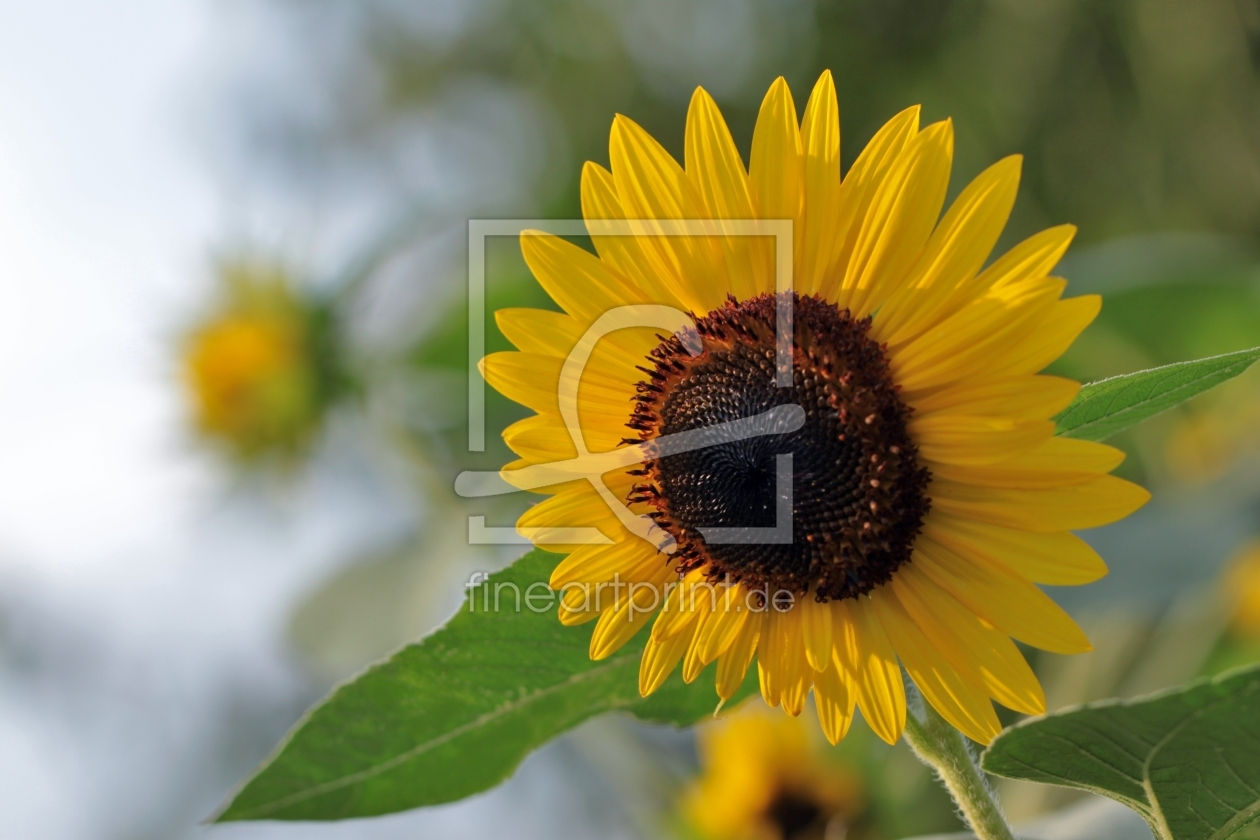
(253, 368)
(1242, 585)
(928, 496)
(1206, 441)
(763, 777)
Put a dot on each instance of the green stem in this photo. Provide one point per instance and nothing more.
(942, 747)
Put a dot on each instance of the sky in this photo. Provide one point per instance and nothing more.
(105, 217)
(144, 667)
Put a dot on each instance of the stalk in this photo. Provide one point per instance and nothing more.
(945, 750)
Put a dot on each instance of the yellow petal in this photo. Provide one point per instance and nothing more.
(652, 186)
(1035, 257)
(1001, 597)
(629, 256)
(859, 188)
(963, 440)
(543, 438)
(795, 694)
(1029, 261)
(834, 697)
(1023, 397)
(902, 214)
(776, 169)
(714, 166)
(816, 623)
(631, 610)
(976, 339)
(781, 660)
(733, 664)
(1057, 462)
(1067, 319)
(578, 507)
(968, 643)
(510, 374)
(539, 330)
(533, 380)
(1096, 502)
(1058, 559)
(869, 656)
(771, 656)
(577, 606)
(944, 278)
(816, 241)
(630, 559)
(578, 281)
(659, 660)
(539, 438)
(678, 612)
(556, 334)
(798, 675)
(960, 700)
(720, 632)
(693, 664)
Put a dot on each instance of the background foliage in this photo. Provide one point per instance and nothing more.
(349, 144)
(1137, 120)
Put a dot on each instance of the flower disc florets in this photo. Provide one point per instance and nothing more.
(858, 491)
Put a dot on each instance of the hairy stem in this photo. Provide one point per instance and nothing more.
(943, 748)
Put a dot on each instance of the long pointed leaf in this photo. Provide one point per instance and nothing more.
(455, 713)
(1110, 405)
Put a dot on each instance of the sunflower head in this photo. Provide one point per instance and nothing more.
(841, 439)
(862, 501)
(257, 368)
(764, 777)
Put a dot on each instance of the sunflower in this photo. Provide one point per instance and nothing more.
(928, 493)
(256, 368)
(764, 778)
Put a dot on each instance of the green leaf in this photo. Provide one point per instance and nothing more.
(455, 713)
(1105, 407)
(1186, 759)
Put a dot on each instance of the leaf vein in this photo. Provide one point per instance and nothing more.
(432, 743)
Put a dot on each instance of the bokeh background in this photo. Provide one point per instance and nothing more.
(171, 600)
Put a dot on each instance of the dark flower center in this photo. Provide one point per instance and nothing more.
(794, 816)
(857, 492)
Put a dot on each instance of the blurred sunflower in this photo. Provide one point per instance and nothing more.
(764, 778)
(1206, 441)
(1242, 585)
(928, 493)
(258, 369)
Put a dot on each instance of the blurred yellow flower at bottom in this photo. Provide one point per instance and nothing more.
(765, 777)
